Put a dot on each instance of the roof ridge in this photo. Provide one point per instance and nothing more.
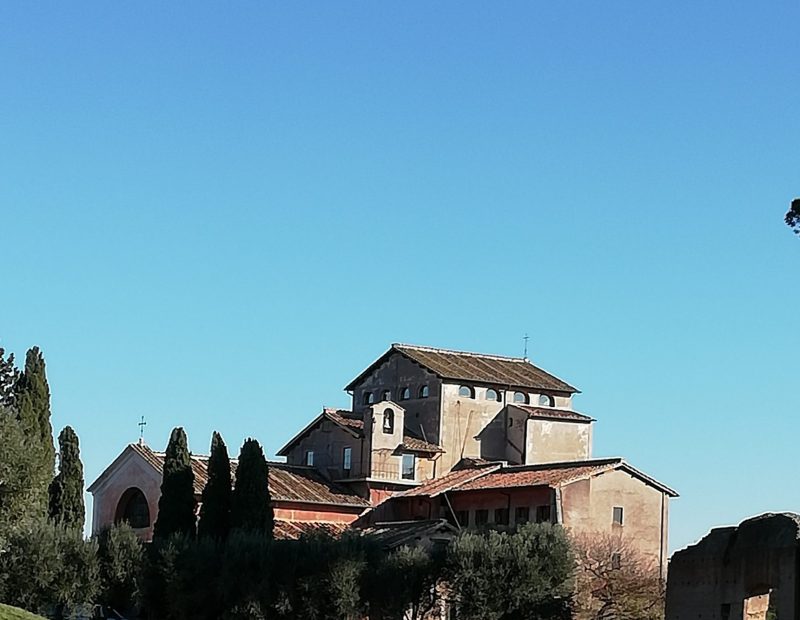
(614, 460)
(459, 352)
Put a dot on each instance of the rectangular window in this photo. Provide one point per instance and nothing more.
(481, 517)
(617, 517)
(310, 458)
(543, 514)
(501, 516)
(409, 467)
(347, 460)
(462, 516)
(522, 514)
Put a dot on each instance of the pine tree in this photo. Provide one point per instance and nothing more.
(215, 509)
(32, 396)
(66, 490)
(176, 504)
(251, 507)
(9, 375)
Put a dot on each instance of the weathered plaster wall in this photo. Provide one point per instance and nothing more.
(549, 441)
(297, 511)
(328, 443)
(490, 499)
(588, 507)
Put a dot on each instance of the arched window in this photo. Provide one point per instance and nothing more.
(133, 509)
(368, 398)
(545, 400)
(520, 397)
(492, 394)
(424, 391)
(387, 395)
(388, 421)
(466, 391)
(405, 394)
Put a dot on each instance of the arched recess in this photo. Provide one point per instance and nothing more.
(133, 508)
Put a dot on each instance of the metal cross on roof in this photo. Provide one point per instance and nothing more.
(141, 425)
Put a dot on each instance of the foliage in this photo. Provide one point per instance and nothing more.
(18, 493)
(414, 574)
(502, 576)
(15, 613)
(32, 398)
(120, 558)
(613, 580)
(177, 504)
(46, 567)
(251, 506)
(215, 507)
(792, 217)
(66, 489)
(9, 375)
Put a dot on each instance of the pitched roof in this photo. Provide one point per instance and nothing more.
(353, 423)
(393, 534)
(287, 483)
(553, 475)
(292, 530)
(551, 413)
(474, 367)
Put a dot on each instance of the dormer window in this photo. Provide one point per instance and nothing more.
(424, 391)
(368, 399)
(545, 400)
(388, 421)
(386, 395)
(492, 395)
(466, 392)
(405, 394)
(409, 467)
(521, 397)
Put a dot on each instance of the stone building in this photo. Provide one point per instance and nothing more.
(750, 572)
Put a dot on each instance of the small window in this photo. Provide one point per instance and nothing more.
(520, 397)
(617, 517)
(347, 459)
(409, 467)
(133, 508)
(492, 395)
(386, 395)
(388, 421)
(616, 561)
(522, 514)
(481, 516)
(501, 516)
(466, 392)
(310, 458)
(368, 398)
(462, 518)
(543, 514)
(424, 391)
(405, 394)
(545, 400)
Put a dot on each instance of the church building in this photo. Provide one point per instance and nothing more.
(470, 438)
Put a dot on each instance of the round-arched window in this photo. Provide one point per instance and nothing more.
(492, 394)
(405, 394)
(387, 395)
(133, 509)
(545, 400)
(368, 398)
(466, 391)
(520, 397)
(424, 391)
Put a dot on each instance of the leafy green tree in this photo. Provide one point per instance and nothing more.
(215, 507)
(66, 490)
(48, 568)
(18, 466)
(414, 574)
(251, 506)
(792, 217)
(9, 375)
(120, 557)
(32, 397)
(177, 504)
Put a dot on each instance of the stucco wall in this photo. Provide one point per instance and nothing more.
(588, 507)
(549, 441)
(328, 442)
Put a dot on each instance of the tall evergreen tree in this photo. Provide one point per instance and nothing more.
(251, 507)
(176, 504)
(215, 509)
(9, 375)
(66, 490)
(32, 396)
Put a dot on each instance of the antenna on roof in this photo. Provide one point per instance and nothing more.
(525, 353)
(141, 426)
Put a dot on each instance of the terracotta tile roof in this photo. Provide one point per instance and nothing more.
(449, 482)
(551, 413)
(287, 483)
(551, 475)
(292, 530)
(345, 418)
(415, 444)
(393, 534)
(475, 367)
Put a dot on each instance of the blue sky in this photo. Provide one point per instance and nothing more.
(215, 215)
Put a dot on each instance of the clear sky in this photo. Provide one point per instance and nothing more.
(217, 214)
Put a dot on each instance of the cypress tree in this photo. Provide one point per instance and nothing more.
(66, 490)
(9, 374)
(251, 507)
(176, 504)
(215, 507)
(32, 396)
